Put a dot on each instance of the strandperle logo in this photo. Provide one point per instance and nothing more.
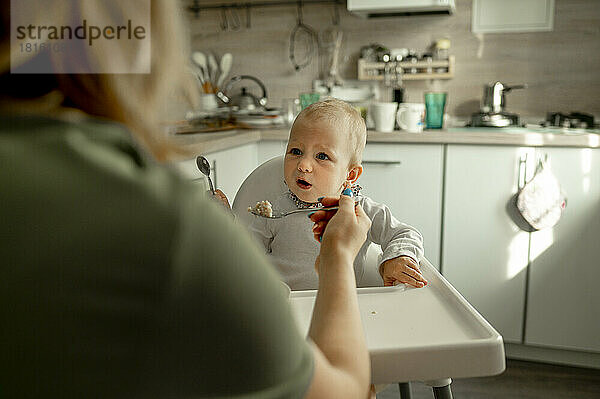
(90, 33)
(80, 36)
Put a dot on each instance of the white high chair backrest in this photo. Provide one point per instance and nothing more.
(266, 183)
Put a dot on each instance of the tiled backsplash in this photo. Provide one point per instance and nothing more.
(561, 67)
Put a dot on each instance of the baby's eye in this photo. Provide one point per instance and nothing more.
(295, 151)
(322, 156)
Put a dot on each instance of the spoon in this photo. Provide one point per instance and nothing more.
(204, 167)
(226, 61)
(213, 68)
(200, 59)
(279, 215)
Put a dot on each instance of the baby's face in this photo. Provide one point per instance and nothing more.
(317, 160)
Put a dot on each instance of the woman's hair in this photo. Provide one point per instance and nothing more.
(341, 115)
(134, 99)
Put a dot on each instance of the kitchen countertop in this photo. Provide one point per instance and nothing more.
(204, 143)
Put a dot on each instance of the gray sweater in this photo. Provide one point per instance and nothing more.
(290, 244)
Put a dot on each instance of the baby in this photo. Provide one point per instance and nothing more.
(323, 159)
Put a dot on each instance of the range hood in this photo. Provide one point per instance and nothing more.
(395, 8)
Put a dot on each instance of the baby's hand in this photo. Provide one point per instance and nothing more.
(222, 198)
(402, 270)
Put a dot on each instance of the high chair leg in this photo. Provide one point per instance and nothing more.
(405, 392)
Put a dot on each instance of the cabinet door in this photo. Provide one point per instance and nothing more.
(563, 306)
(231, 167)
(493, 16)
(269, 149)
(484, 254)
(408, 179)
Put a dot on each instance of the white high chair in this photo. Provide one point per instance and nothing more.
(265, 183)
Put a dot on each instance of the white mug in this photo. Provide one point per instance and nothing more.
(383, 115)
(410, 117)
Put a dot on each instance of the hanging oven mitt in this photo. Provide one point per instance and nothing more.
(541, 201)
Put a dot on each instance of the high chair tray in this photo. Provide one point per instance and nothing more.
(420, 334)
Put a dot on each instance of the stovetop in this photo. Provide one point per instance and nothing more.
(577, 120)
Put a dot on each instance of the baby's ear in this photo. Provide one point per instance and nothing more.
(354, 173)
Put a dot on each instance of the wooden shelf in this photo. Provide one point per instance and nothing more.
(375, 70)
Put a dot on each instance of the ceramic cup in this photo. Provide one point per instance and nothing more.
(384, 116)
(208, 102)
(410, 117)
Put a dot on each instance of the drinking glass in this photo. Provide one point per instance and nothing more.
(435, 103)
(290, 107)
(308, 98)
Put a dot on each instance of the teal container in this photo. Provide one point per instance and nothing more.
(307, 99)
(435, 103)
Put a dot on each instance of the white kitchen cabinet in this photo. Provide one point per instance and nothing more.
(228, 168)
(563, 306)
(484, 254)
(408, 179)
(493, 16)
(231, 167)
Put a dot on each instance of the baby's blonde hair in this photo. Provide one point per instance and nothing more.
(342, 115)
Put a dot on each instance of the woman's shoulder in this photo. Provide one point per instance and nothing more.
(91, 165)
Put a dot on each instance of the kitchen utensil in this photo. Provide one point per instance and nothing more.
(204, 167)
(311, 41)
(435, 103)
(226, 62)
(410, 117)
(334, 79)
(259, 119)
(213, 68)
(494, 99)
(230, 18)
(244, 101)
(490, 119)
(200, 59)
(384, 116)
(399, 95)
(492, 113)
(279, 215)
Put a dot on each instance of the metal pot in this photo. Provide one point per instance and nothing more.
(244, 101)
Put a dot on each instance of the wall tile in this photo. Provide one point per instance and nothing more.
(562, 67)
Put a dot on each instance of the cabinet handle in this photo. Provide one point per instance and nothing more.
(522, 172)
(385, 163)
